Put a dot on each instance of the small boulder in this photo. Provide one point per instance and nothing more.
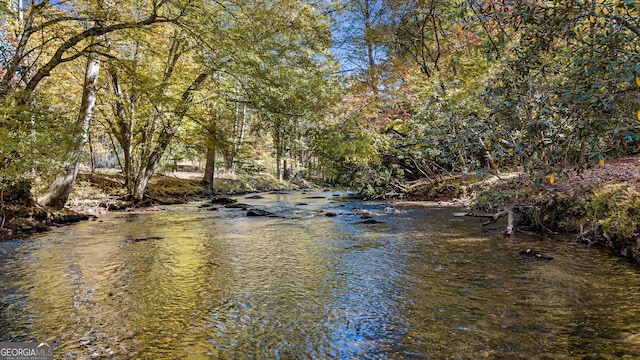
(259, 212)
(222, 200)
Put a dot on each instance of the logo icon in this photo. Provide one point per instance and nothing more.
(26, 351)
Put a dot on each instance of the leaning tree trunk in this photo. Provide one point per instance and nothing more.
(59, 190)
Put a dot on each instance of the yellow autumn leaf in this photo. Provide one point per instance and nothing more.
(501, 84)
(557, 116)
(601, 162)
(638, 114)
(638, 81)
(552, 179)
(592, 19)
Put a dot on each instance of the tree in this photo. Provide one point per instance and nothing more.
(68, 36)
(61, 187)
(39, 38)
(151, 92)
(567, 94)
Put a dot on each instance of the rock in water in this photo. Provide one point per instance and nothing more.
(221, 200)
(370, 222)
(131, 240)
(242, 206)
(258, 212)
(531, 254)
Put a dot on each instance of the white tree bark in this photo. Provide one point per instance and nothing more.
(61, 187)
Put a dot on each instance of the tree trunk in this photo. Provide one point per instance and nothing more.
(123, 125)
(278, 161)
(149, 162)
(279, 167)
(142, 181)
(286, 169)
(61, 187)
(369, 28)
(209, 170)
(238, 135)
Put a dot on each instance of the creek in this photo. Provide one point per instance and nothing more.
(189, 283)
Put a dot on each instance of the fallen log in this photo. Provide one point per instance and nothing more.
(493, 218)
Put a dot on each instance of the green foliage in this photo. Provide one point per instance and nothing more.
(32, 138)
(566, 93)
(615, 210)
(480, 85)
(554, 211)
(348, 154)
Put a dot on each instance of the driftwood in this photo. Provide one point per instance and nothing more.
(493, 218)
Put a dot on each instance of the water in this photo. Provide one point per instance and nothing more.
(218, 284)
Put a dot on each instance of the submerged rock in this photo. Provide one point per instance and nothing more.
(237, 206)
(132, 240)
(330, 214)
(255, 197)
(259, 212)
(531, 254)
(370, 222)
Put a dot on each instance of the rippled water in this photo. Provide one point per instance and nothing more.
(218, 284)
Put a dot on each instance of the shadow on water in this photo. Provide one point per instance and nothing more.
(416, 283)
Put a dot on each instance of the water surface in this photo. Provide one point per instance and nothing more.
(188, 282)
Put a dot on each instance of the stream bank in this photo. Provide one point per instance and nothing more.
(600, 204)
(96, 194)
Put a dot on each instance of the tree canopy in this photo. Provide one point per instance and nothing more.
(426, 87)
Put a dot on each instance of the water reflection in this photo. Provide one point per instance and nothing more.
(191, 283)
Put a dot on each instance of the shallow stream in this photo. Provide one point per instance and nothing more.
(189, 283)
